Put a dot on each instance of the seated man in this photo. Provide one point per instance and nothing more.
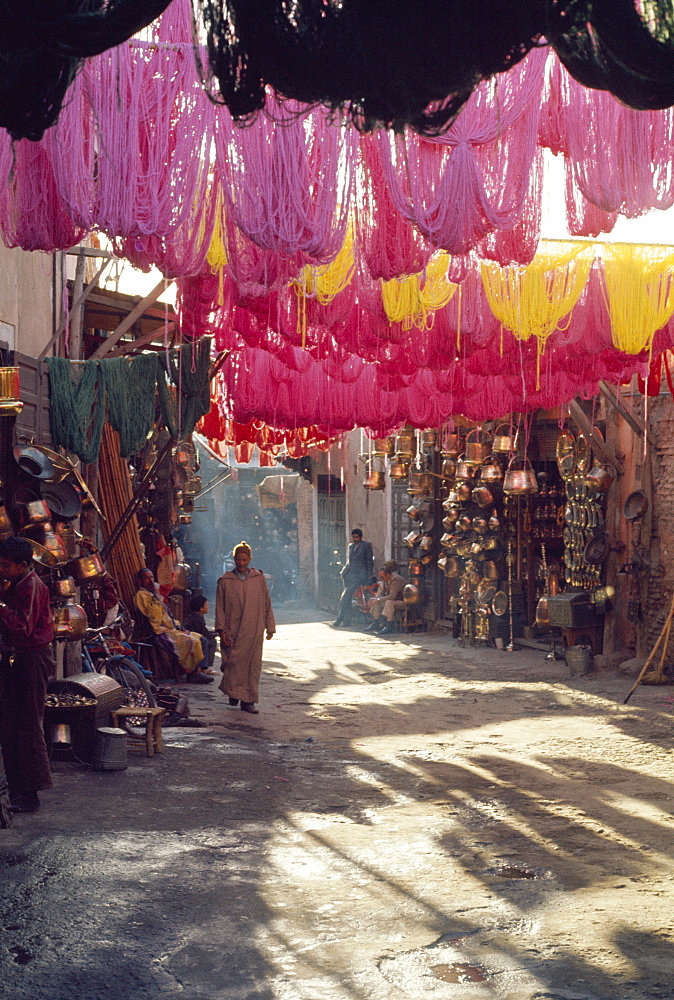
(387, 600)
(186, 646)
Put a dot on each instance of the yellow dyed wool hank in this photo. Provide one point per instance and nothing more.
(640, 292)
(533, 301)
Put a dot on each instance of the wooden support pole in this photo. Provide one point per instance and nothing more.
(636, 423)
(78, 302)
(147, 338)
(130, 319)
(598, 443)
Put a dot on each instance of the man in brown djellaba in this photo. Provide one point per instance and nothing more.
(243, 614)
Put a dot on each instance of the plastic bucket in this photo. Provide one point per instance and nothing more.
(578, 660)
(110, 753)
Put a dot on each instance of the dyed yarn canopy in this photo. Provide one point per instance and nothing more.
(415, 62)
(42, 45)
(141, 154)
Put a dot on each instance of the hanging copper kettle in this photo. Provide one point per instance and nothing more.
(429, 439)
(420, 484)
(426, 543)
(384, 446)
(490, 570)
(416, 568)
(451, 444)
(404, 446)
(600, 477)
(482, 496)
(520, 482)
(399, 470)
(413, 538)
(503, 442)
(448, 470)
(61, 586)
(69, 620)
(463, 469)
(491, 471)
(478, 446)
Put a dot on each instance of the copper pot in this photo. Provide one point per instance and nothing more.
(32, 511)
(490, 570)
(70, 621)
(62, 587)
(482, 496)
(463, 469)
(412, 594)
(405, 446)
(426, 543)
(399, 469)
(420, 484)
(480, 525)
(600, 477)
(429, 439)
(520, 482)
(375, 480)
(6, 528)
(478, 446)
(84, 568)
(465, 522)
(453, 567)
(427, 559)
(54, 544)
(416, 513)
(448, 523)
(503, 442)
(384, 446)
(452, 444)
(448, 468)
(416, 568)
(491, 471)
(494, 522)
(413, 538)
(492, 543)
(463, 491)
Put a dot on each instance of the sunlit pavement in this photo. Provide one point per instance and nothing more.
(404, 819)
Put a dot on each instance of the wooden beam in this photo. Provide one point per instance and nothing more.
(78, 302)
(129, 320)
(598, 444)
(636, 423)
(147, 338)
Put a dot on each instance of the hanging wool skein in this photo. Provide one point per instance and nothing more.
(640, 286)
(42, 45)
(76, 406)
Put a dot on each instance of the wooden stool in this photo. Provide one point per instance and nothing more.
(588, 635)
(152, 741)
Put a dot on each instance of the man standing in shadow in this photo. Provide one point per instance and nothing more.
(358, 570)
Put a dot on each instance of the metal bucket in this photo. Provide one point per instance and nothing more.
(110, 753)
(578, 660)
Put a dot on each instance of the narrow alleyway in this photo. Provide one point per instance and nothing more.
(405, 819)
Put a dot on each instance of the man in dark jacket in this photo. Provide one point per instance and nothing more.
(26, 627)
(358, 570)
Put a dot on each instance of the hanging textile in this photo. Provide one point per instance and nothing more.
(381, 62)
(42, 46)
(532, 301)
(76, 406)
(640, 288)
(184, 387)
(413, 301)
(131, 388)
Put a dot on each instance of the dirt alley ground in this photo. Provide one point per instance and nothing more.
(404, 819)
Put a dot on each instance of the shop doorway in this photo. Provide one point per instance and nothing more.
(331, 541)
